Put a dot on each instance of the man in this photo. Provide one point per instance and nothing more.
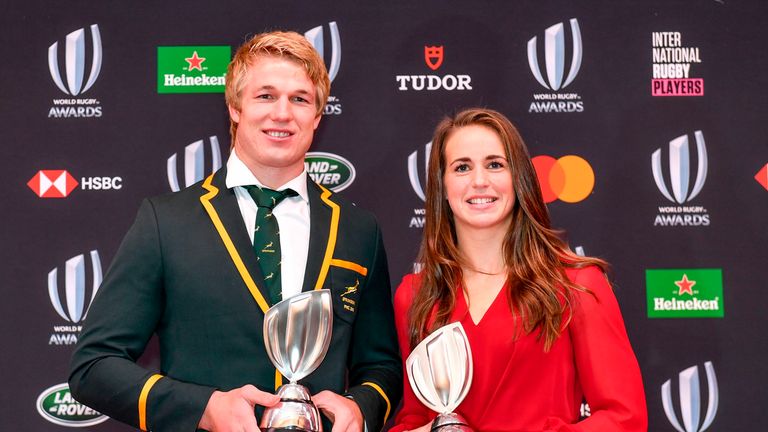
(188, 270)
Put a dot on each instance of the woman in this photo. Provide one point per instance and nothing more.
(543, 324)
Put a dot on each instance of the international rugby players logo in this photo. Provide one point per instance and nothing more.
(74, 62)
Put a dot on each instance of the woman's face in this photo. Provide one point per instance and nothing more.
(478, 180)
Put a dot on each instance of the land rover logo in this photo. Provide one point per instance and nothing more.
(57, 405)
(330, 170)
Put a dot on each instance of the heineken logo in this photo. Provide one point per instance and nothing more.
(684, 293)
(57, 405)
(192, 69)
(329, 170)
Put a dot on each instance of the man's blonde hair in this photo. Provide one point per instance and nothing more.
(286, 45)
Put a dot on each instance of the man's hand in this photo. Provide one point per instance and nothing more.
(233, 410)
(426, 428)
(343, 412)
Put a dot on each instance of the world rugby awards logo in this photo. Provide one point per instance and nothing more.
(75, 61)
(690, 400)
(680, 179)
(554, 62)
(194, 163)
(74, 295)
(74, 73)
(57, 405)
(413, 170)
(417, 220)
(315, 36)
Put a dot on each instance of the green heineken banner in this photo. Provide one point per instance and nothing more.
(192, 69)
(684, 293)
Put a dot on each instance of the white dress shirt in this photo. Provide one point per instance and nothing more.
(292, 216)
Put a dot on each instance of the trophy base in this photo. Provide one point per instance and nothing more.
(295, 412)
(450, 422)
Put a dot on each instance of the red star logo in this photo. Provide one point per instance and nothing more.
(685, 285)
(195, 62)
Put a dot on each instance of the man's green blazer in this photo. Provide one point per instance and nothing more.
(186, 271)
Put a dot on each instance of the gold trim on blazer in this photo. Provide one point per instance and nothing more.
(143, 400)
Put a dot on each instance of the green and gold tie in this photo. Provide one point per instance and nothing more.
(266, 237)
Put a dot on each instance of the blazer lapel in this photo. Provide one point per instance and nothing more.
(220, 203)
(321, 231)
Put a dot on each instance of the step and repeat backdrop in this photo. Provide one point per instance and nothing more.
(646, 121)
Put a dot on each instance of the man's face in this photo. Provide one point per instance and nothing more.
(276, 120)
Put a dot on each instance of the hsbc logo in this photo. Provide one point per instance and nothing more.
(690, 400)
(60, 183)
(52, 183)
(434, 55)
(194, 163)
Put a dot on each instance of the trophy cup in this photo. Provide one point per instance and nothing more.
(297, 332)
(440, 372)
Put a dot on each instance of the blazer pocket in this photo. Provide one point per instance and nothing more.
(346, 283)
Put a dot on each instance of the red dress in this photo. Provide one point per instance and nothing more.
(517, 387)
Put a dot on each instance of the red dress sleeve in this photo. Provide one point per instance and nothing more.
(413, 413)
(606, 365)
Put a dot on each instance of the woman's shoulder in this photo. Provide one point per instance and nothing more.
(590, 277)
(406, 291)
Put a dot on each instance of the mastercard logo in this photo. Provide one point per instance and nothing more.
(568, 179)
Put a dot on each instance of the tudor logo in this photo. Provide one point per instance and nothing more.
(433, 55)
(74, 287)
(690, 399)
(679, 169)
(74, 61)
(413, 170)
(52, 183)
(554, 56)
(194, 163)
(57, 405)
(315, 37)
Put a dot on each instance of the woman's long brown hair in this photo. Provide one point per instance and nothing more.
(539, 292)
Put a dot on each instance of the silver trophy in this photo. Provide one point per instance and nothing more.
(440, 372)
(297, 332)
